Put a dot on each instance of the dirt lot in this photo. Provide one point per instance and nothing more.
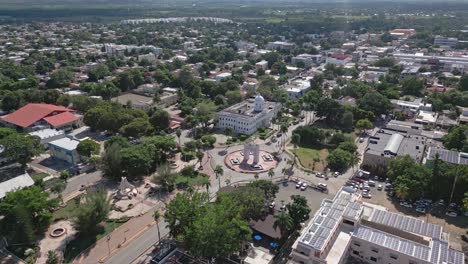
(455, 226)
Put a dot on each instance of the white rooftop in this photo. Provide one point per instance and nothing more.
(16, 183)
(47, 133)
(65, 143)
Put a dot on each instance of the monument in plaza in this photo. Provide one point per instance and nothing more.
(126, 189)
(251, 147)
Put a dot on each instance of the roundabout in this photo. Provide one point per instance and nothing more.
(250, 160)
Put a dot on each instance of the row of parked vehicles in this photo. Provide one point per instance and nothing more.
(303, 186)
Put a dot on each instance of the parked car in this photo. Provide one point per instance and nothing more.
(361, 140)
(272, 205)
(366, 195)
(371, 183)
(379, 187)
(298, 185)
(323, 186)
(451, 214)
(319, 175)
(336, 174)
(304, 186)
(421, 210)
(283, 207)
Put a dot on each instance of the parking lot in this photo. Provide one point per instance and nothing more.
(314, 197)
(456, 226)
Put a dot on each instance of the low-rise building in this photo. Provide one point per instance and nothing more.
(280, 45)
(297, 88)
(338, 59)
(223, 76)
(308, 59)
(47, 135)
(135, 101)
(464, 115)
(246, 117)
(33, 117)
(386, 145)
(445, 42)
(261, 65)
(65, 149)
(411, 106)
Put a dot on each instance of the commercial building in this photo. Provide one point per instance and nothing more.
(411, 106)
(405, 127)
(445, 42)
(65, 149)
(32, 117)
(246, 117)
(346, 226)
(386, 145)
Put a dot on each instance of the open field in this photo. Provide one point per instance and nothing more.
(313, 159)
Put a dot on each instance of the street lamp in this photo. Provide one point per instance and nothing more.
(108, 246)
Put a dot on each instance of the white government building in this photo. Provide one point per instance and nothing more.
(246, 117)
(347, 226)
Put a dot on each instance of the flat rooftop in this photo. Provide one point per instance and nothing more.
(449, 156)
(391, 143)
(246, 108)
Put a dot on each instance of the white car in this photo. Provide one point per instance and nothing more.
(272, 205)
(451, 214)
(379, 187)
(298, 185)
(320, 175)
(304, 186)
(421, 210)
(336, 174)
(366, 195)
(323, 186)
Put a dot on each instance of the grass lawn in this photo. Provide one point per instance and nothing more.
(313, 159)
(189, 181)
(39, 176)
(65, 212)
(77, 245)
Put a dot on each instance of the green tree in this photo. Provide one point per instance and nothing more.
(376, 103)
(111, 161)
(347, 121)
(160, 120)
(463, 83)
(363, 124)
(20, 148)
(164, 177)
(88, 147)
(26, 213)
(298, 210)
(99, 72)
(412, 86)
(339, 159)
(269, 188)
(64, 175)
(456, 138)
(296, 139)
(271, 174)
(178, 134)
(284, 222)
(59, 79)
(137, 160)
(137, 128)
(93, 210)
(218, 170)
(156, 217)
(251, 200)
(223, 217)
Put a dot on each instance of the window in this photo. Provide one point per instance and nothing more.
(392, 256)
(376, 250)
(355, 252)
(412, 262)
(357, 244)
(373, 259)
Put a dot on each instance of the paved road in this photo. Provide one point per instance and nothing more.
(74, 183)
(137, 247)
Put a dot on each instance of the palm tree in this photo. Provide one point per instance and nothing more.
(228, 131)
(284, 129)
(402, 191)
(52, 257)
(271, 173)
(200, 156)
(284, 222)
(283, 171)
(178, 134)
(156, 216)
(256, 176)
(355, 159)
(207, 185)
(219, 173)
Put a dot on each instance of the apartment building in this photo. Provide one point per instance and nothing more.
(445, 42)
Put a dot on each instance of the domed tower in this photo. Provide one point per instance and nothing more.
(259, 103)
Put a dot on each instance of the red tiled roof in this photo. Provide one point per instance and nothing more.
(32, 113)
(339, 56)
(61, 119)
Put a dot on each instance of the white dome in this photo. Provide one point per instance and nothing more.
(259, 102)
(259, 99)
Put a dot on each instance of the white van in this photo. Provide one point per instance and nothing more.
(322, 186)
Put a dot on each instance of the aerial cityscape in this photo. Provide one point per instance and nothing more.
(232, 132)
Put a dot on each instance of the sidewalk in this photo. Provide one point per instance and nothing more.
(121, 237)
